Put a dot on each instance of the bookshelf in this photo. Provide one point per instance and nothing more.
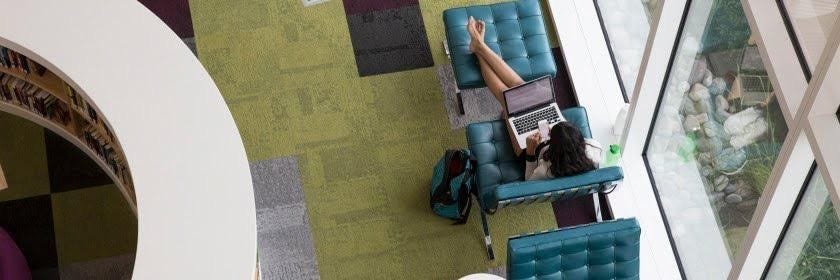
(31, 91)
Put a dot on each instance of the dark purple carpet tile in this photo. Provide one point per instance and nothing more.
(70, 168)
(563, 91)
(175, 13)
(352, 7)
(29, 222)
(387, 41)
(580, 211)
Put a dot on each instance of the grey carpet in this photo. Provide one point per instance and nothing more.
(118, 267)
(284, 236)
(479, 103)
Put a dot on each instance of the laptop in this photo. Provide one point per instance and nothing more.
(530, 103)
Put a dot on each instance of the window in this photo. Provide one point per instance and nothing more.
(716, 134)
(811, 21)
(626, 25)
(810, 248)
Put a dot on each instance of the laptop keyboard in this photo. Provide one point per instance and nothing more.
(529, 122)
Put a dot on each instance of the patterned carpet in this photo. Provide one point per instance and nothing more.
(364, 146)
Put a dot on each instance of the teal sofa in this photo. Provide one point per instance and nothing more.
(605, 250)
(500, 173)
(515, 31)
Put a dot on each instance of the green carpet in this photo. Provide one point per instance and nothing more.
(366, 145)
(24, 158)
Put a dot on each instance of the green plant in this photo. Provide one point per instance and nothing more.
(820, 257)
(761, 157)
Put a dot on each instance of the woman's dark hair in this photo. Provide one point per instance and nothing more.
(567, 151)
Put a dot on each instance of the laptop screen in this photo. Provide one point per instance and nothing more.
(529, 95)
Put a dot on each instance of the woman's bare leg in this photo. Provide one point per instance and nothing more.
(483, 52)
(491, 76)
(493, 82)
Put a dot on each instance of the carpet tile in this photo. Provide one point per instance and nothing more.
(479, 104)
(284, 238)
(389, 40)
(29, 222)
(352, 7)
(69, 167)
(111, 268)
(23, 157)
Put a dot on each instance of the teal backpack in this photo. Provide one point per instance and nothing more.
(452, 185)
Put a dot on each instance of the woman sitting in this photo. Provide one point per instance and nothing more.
(566, 153)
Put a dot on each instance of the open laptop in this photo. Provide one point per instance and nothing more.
(530, 103)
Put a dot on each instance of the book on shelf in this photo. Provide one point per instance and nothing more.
(15, 60)
(104, 150)
(32, 98)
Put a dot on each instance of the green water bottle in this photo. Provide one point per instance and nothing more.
(613, 156)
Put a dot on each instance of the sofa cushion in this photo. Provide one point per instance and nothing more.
(496, 162)
(515, 31)
(605, 250)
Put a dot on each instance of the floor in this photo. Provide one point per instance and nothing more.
(63, 212)
(344, 107)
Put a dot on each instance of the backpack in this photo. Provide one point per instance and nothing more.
(452, 183)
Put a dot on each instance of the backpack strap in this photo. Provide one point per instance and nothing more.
(440, 195)
(467, 187)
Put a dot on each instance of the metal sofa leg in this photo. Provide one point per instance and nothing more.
(487, 241)
(597, 200)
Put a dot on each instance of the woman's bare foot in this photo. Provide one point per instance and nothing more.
(476, 30)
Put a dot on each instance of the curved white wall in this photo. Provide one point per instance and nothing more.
(195, 200)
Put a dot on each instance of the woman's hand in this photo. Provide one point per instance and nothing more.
(531, 143)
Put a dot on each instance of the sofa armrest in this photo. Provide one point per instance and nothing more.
(558, 188)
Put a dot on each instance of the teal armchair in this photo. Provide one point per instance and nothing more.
(500, 174)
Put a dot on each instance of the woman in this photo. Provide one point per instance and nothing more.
(566, 153)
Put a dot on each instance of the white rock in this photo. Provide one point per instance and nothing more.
(698, 92)
(733, 198)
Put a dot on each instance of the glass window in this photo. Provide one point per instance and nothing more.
(810, 248)
(812, 21)
(717, 132)
(626, 25)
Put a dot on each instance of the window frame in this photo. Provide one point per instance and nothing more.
(789, 219)
(797, 46)
(657, 106)
(610, 50)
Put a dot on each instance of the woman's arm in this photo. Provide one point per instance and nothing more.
(532, 153)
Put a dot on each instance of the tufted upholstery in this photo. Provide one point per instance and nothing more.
(515, 31)
(605, 250)
(500, 173)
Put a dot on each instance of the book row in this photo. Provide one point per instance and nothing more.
(12, 59)
(83, 107)
(104, 149)
(32, 98)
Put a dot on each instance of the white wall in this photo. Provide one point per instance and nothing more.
(195, 200)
